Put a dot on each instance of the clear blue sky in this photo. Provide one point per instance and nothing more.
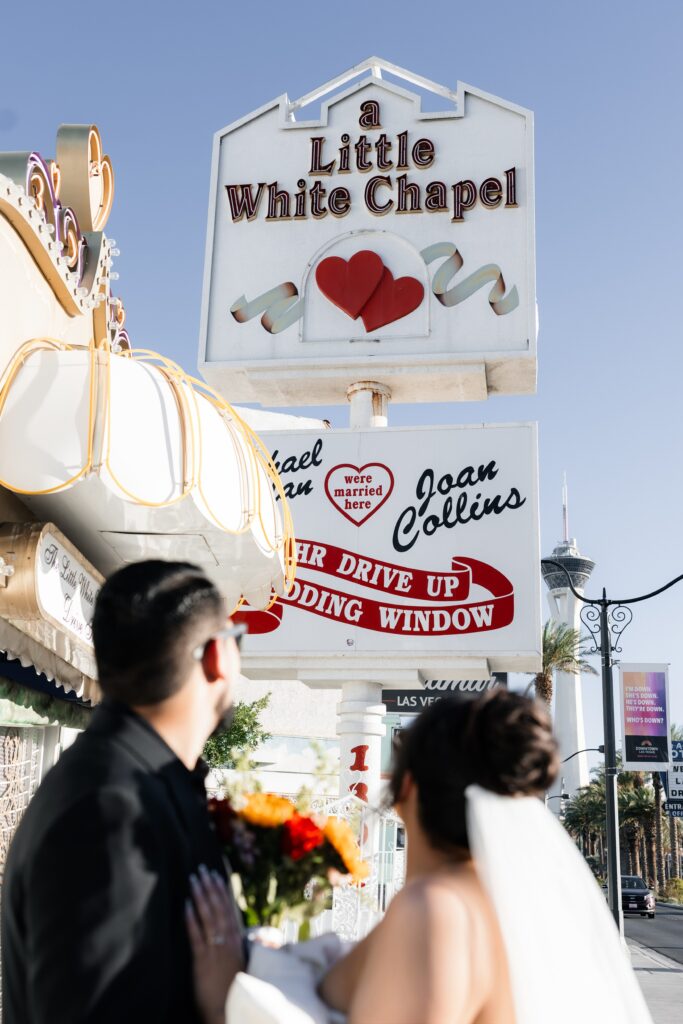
(604, 80)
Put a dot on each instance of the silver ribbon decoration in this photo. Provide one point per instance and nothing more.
(281, 306)
(499, 302)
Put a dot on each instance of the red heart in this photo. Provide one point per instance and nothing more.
(349, 284)
(348, 488)
(392, 300)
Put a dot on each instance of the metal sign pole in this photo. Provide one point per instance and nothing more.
(611, 773)
(606, 620)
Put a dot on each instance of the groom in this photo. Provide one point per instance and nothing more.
(98, 872)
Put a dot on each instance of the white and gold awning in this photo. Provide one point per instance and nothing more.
(130, 456)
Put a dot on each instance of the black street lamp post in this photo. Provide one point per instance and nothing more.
(606, 620)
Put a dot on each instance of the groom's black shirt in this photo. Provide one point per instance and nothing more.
(96, 879)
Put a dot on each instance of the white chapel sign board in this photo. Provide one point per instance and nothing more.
(418, 552)
(66, 591)
(376, 241)
(52, 583)
(676, 772)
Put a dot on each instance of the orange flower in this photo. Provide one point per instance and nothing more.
(267, 810)
(340, 835)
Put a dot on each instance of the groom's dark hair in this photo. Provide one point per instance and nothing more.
(149, 617)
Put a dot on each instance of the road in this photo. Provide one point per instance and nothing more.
(664, 934)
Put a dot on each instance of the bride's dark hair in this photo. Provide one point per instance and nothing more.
(502, 742)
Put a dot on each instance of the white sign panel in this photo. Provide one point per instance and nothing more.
(66, 591)
(676, 772)
(376, 240)
(417, 548)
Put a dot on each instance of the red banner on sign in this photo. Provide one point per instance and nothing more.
(446, 614)
(417, 584)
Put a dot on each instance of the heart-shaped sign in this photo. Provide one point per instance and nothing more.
(350, 283)
(392, 300)
(359, 491)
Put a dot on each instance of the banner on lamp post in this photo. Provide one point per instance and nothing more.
(645, 717)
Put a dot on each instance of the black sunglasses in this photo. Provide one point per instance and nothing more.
(236, 631)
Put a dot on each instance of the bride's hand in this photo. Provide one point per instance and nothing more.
(216, 943)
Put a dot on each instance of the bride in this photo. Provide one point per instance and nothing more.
(499, 922)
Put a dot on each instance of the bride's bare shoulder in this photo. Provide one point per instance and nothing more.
(425, 955)
(446, 901)
(458, 881)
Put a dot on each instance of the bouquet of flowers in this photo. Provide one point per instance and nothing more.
(286, 863)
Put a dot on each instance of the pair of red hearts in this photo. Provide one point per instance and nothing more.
(363, 286)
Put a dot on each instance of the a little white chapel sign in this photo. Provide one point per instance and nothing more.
(372, 238)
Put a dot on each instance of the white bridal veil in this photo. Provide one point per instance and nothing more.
(566, 961)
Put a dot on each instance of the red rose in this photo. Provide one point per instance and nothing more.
(300, 836)
(222, 815)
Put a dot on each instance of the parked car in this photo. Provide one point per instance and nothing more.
(636, 898)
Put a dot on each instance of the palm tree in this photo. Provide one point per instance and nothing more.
(563, 651)
(636, 814)
(584, 818)
(659, 837)
(578, 819)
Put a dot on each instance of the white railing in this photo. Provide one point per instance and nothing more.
(20, 764)
(357, 909)
(21, 752)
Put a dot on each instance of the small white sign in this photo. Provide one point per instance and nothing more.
(66, 591)
(377, 238)
(414, 544)
(676, 771)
